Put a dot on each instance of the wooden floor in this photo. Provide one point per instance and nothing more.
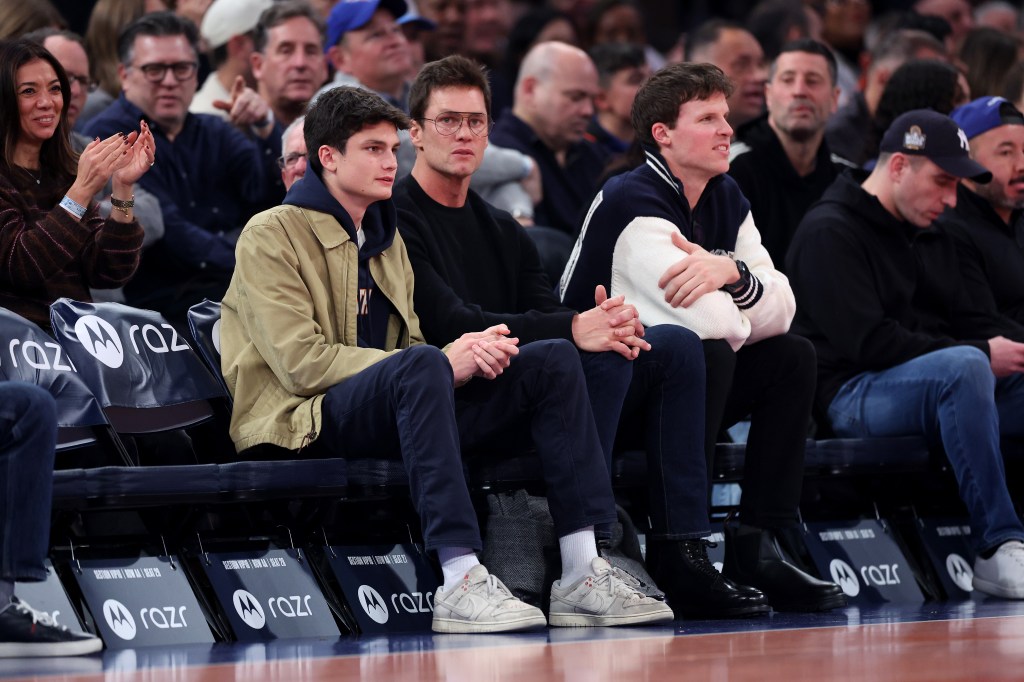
(970, 641)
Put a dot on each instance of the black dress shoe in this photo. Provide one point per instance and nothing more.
(753, 557)
(694, 587)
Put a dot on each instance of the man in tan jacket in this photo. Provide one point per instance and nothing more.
(322, 349)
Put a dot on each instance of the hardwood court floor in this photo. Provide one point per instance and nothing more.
(966, 641)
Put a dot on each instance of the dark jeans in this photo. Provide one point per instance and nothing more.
(657, 401)
(773, 382)
(28, 436)
(405, 406)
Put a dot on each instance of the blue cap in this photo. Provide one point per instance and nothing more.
(986, 113)
(414, 18)
(349, 15)
(935, 136)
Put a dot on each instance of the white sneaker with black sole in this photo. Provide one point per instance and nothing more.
(25, 632)
(604, 598)
(1002, 574)
(482, 603)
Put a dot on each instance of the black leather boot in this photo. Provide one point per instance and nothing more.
(694, 587)
(753, 557)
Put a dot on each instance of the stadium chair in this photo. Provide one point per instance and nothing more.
(33, 356)
(204, 323)
(145, 375)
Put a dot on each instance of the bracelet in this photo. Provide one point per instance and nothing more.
(123, 206)
(72, 207)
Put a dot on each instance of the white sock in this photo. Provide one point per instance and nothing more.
(455, 564)
(578, 550)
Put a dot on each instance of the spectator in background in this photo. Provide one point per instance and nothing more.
(449, 16)
(989, 54)
(227, 29)
(781, 162)
(736, 52)
(986, 221)
(553, 107)
(622, 22)
(288, 62)
(487, 25)
(536, 26)
(1014, 89)
(53, 242)
(999, 15)
(414, 25)
(208, 175)
(846, 131)
(69, 49)
(108, 19)
(368, 48)
(18, 17)
(957, 13)
(621, 70)
(918, 84)
(293, 158)
(28, 438)
(777, 22)
(844, 24)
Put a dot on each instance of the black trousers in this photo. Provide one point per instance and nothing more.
(405, 407)
(772, 381)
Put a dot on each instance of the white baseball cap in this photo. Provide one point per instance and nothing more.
(226, 19)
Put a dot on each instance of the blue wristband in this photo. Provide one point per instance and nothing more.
(73, 207)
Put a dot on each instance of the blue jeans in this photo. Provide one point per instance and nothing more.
(405, 406)
(28, 436)
(950, 396)
(658, 400)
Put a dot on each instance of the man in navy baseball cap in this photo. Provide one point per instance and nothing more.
(987, 219)
(899, 352)
(368, 48)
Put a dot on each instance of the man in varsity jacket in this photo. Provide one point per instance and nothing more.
(676, 237)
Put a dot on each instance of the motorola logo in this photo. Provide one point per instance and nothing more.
(373, 604)
(249, 609)
(845, 577)
(960, 571)
(119, 619)
(100, 339)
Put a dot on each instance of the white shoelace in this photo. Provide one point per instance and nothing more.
(37, 616)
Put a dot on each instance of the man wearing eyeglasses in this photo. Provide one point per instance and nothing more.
(292, 161)
(476, 267)
(209, 176)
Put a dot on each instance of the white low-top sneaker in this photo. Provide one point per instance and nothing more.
(482, 603)
(606, 597)
(1002, 574)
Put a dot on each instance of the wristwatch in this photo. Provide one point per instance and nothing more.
(740, 284)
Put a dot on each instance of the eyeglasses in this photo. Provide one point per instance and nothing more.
(86, 83)
(156, 72)
(450, 122)
(289, 160)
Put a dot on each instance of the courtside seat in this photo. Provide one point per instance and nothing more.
(253, 480)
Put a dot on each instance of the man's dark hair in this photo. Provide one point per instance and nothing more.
(454, 71)
(903, 45)
(280, 12)
(340, 113)
(810, 46)
(708, 33)
(157, 24)
(773, 21)
(41, 34)
(610, 58)
(659, 99)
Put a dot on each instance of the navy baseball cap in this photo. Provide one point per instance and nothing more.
(986, 113)
(349, 15)
(927, 133)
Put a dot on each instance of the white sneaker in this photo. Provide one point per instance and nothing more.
(604, 598)
(1002, 574)
(482, 603)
